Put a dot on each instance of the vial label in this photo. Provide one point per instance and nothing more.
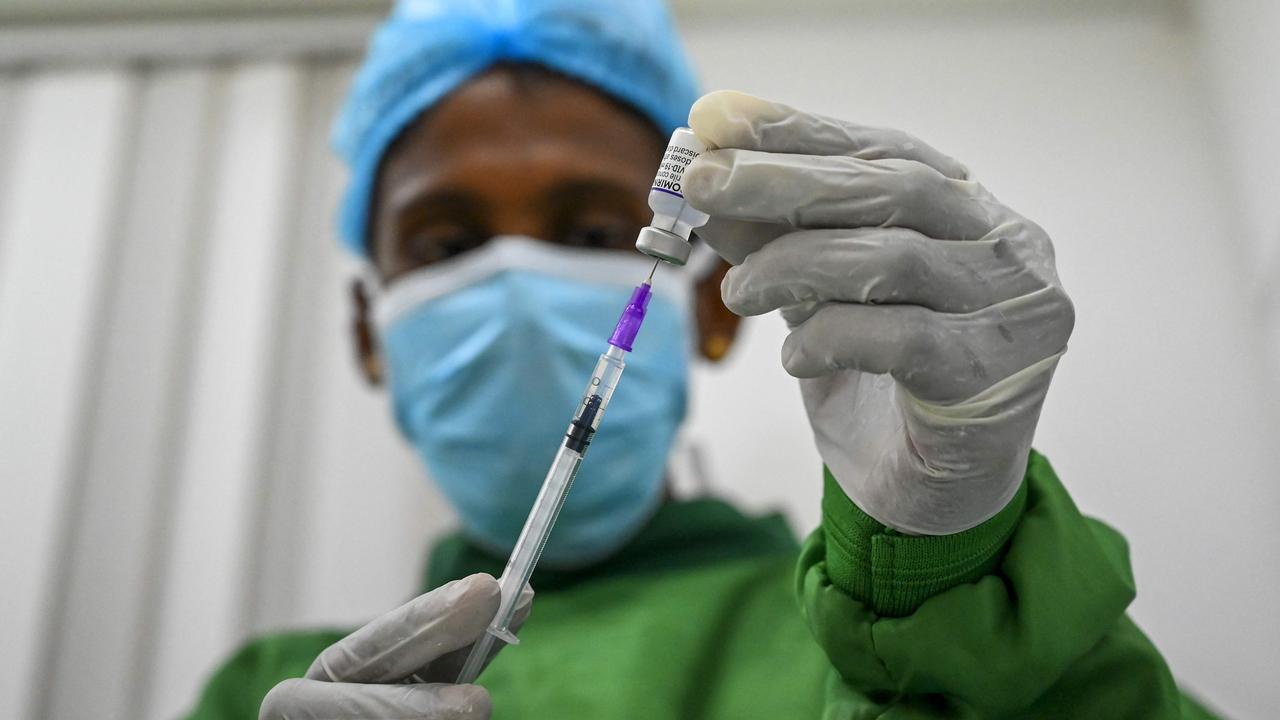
(683, 149)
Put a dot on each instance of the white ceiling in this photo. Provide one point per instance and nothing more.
(92, 32)
(79, 11)
(85, 10)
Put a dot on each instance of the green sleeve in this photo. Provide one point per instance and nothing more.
(236, 690)
(1022, 616)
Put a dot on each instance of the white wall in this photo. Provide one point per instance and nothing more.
(187, 457)
(1240, 63)
(1240, 59)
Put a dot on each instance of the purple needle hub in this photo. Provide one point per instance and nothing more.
(624, 333)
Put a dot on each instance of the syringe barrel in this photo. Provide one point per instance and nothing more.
(555, 487)
(604, 380)
(537, 528)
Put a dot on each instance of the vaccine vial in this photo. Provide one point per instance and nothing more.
(667, 237)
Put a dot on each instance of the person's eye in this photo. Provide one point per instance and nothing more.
(427, 246)
(600, 233)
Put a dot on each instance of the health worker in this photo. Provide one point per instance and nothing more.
(500, 157)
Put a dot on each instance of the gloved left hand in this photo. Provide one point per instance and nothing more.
(403, 664)
(926, 317)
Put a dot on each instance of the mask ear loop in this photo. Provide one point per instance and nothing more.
(368, 287)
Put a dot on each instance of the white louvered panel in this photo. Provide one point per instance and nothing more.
(233, 336)
(288, 509)
(368, 494)
(107, 630)
(54, 233)
(11, 93)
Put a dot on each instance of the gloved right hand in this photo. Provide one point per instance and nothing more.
(403, 664)
(926, 316)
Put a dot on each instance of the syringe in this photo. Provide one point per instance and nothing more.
(666, 239)
(555, 487)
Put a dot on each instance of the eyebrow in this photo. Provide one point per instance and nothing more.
(409, 204)
(574, 192)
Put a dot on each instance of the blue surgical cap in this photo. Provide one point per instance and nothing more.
(427, 48)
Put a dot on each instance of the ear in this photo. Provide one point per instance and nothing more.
(717, 326)
(368, 359)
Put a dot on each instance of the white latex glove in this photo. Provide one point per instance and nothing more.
(401, 665)
(926, 317)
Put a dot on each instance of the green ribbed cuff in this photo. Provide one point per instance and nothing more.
(893, 573)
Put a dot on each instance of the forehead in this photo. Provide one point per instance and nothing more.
(506, 118)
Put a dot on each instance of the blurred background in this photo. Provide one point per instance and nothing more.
(187, 456)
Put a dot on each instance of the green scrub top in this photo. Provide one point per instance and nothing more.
(709, 614)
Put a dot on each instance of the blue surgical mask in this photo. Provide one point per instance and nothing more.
(488, 354)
